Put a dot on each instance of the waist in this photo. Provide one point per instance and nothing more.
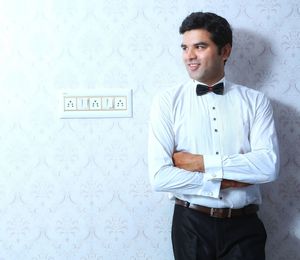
(228, 198)
(220, 212)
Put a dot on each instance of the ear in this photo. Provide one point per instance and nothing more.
(226, 50)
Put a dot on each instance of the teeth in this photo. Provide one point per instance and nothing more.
(193, 65)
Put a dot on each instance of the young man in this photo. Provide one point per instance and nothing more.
(212, 143)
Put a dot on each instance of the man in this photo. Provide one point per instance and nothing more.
(211, 144)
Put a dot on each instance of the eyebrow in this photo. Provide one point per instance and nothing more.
(195, 44)
(201, 43)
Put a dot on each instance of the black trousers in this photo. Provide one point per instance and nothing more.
(196, 236)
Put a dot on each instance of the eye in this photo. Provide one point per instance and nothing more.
(200, 46)
(183, 47)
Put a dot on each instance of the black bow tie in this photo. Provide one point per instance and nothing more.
(203, 89)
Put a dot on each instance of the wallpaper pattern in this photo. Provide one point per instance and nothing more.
(79, 189)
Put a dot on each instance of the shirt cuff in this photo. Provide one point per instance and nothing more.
(212, 177)
(213, 167)
(211, 188)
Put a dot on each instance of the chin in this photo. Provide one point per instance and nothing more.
(194, 77)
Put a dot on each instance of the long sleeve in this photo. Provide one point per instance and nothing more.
(261, 164)
(163, 175)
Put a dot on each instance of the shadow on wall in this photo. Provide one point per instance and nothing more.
(251, 64)
(281, 209)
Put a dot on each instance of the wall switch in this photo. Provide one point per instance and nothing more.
(96, 103)
(82, 103)
(108, 103)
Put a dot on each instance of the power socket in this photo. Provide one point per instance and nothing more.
(96, 103)
(121, 103)
(70, 103)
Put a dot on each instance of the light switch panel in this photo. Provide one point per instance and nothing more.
(96, 103)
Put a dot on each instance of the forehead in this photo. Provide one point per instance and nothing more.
(196, 36)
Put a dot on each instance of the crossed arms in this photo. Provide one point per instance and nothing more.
(252, 161)
(195, 163)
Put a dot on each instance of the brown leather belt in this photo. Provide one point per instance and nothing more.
(220, 212)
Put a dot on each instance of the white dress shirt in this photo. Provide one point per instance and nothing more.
(234, 132)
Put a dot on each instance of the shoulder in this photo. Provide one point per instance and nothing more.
(246, 93)
(172, 94)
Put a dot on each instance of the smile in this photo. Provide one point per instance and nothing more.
(193, 66)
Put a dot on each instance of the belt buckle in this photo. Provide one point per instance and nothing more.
(214, 210)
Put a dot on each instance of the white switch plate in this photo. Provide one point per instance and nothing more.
(96, 103)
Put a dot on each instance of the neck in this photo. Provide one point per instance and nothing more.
(211, 82)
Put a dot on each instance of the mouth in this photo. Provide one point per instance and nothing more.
(193, 66)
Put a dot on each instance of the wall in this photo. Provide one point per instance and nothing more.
(78, 189)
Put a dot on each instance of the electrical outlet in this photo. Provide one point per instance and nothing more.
(70, 103)
(95, 103)
(120, 103)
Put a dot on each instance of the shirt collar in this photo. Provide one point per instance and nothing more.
(199, 82)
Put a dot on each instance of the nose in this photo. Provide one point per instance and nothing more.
(190, 54)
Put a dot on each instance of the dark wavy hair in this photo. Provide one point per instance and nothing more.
(220, 29)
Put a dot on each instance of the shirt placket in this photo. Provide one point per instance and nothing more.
(215, 127)
(212, 175)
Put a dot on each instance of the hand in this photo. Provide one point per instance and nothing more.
(225, 184)
(188, 161)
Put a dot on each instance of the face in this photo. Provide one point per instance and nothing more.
(202, 58)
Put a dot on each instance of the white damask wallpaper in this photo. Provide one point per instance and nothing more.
(78, 188)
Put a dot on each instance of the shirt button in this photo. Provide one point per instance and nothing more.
(215, 119)
(217, 152)
(216, 130)
(213, 108)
